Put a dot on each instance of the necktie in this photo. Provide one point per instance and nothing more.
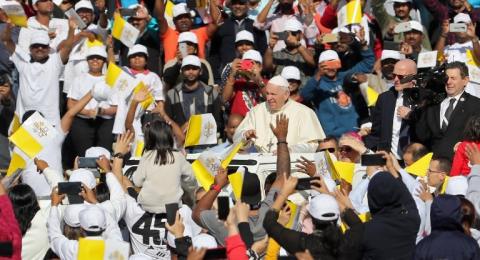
(448, 113)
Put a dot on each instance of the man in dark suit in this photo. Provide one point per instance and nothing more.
(394, 113)
(442, 125)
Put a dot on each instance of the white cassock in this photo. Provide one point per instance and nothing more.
(304, 129)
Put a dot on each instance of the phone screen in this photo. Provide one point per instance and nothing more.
(373, 160)
(171, 209)
(223, 207)
(304, 183)
(87, 162)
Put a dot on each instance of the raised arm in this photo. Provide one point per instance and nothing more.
(67, 119)
(283, 155)
(67, 44)
(216, 16)
(262, 16)
(159, 12)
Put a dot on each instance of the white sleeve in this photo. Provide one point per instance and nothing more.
(112, 231)
(357, 194)
(428, 224)
(24, 38)
(247, 123)
(73, 92)
(409, 181)
(20, 58)
(473, 191)
(53, 177)
(64, 248)
(117, 196)
(158, 89)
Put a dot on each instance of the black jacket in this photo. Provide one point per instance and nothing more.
(441, 142)
(447, 240)
(392, 232)
(295, 241)
(382, 116)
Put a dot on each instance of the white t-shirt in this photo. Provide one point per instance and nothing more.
(39, 85)
(82, 85)
(77, 62)
(151, 81)
(52, 154)
(147, 231)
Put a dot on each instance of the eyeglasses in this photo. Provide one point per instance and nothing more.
(37, 46)
(432, 171)
(294, 33)
(346, 149)
(330, 150)
(400, 77)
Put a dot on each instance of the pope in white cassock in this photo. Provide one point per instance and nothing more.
(304, 129)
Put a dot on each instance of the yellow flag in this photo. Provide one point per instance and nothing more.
(293, 214)
(231, 154)
(15, 12)
(236, 180)
(17, 162)
(202, 129)
(333, 172)
(124, 31)
(420, 167)
(33, 135)
(147, 102)
(140, 144)
(96, 42)
(90, 249)
(205, 167)
(169, 8)
(14, 125)
(345, 170)
(471, 59)
(354, 12)
(372, 96)
(444, 185)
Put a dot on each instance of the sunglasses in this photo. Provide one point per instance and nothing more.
(346, 149)
(37, 46)
(294, 33)
(95, 57)
(400, 77)
(330, 150)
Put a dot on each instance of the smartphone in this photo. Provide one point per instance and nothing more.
(216, 253)
(457, 27)
(373, 160)
(127, 12)
(391, 45)
(282, 36)
(332, 64)
(72, 190)
(305, 183)
(87, 162)
(402, 27)
(246, 65)
(223, 207)
(183, 49)
(330, 37)
(171, 209)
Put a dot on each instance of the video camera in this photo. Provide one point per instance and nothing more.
(433, 79)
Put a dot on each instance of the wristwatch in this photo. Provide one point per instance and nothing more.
(118, 155)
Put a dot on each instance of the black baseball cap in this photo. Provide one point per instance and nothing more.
(251, 190)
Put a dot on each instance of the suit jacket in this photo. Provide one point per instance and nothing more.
(441, 142)
(382, 116)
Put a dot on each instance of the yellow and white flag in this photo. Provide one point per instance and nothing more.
(420, 167)
(33, 135)
(124, 31)
(205, 168)
(236, 181)
(230, 153)
(202, 129)
(369, 94)
(351, 13)
(15, 12)
(14, 125)
(120, 80)
(345, 170)
(17, 162)
(331, 166)
(94, 249)
(147, 102)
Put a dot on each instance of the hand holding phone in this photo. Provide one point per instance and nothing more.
(306, 183)
(373, 160)
(72, 190)
(223, 207)
(87, 162)
(171, 209)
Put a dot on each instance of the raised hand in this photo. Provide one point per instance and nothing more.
(281, 128)
(177, 228)
(124, 142)
(473, 154)
(41, 164)
(306, 166)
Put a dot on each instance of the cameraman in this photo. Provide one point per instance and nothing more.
(244, 86)
(7, 110)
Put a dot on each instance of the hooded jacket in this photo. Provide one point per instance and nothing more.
(447, 240)
(392, 232)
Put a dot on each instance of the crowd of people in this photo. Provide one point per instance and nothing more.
(283, 78)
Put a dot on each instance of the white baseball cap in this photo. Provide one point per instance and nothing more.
(328, 55)
(391, 54)
(279, 81)
(97, 51)
(293, 25)
(39, 37)
(187, 37)
(97, 151)
(457, 185)
(191, 60)
(101, 91)
(84, 176)
(462, 18)
(83, 4)
(71, 215)
(252, 55)
(324, 207)
(204, 241)
(415, 25)
(92, 218)
(244, 36)
(291, 72)
(401, 1)
(180, 9)
(137, 48)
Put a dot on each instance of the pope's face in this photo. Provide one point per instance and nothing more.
(276, 96)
